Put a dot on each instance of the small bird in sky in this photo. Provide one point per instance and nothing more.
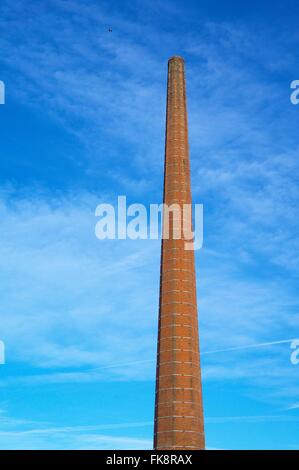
(109, 30)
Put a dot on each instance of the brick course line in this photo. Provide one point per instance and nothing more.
(178, 314)
(178, 375)
(177, 388)
(177, 302)
(181, 350)
(171, 325)
(176, 416)
(177, 269)
(183, 337)
(176, 402)
(177, 290)
(180, 430)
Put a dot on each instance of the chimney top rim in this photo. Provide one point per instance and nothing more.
(176, 57)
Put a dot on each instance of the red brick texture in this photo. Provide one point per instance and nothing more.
(179, 409)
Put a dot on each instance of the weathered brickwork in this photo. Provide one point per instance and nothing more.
(179, 409)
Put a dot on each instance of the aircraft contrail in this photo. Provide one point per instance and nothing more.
(249, 346)
(215, 351)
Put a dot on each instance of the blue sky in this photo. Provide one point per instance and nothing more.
(84, 122)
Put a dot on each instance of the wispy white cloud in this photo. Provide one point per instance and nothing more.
(295, 406)
(25, 434)
(251, 419)
(62, 288)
